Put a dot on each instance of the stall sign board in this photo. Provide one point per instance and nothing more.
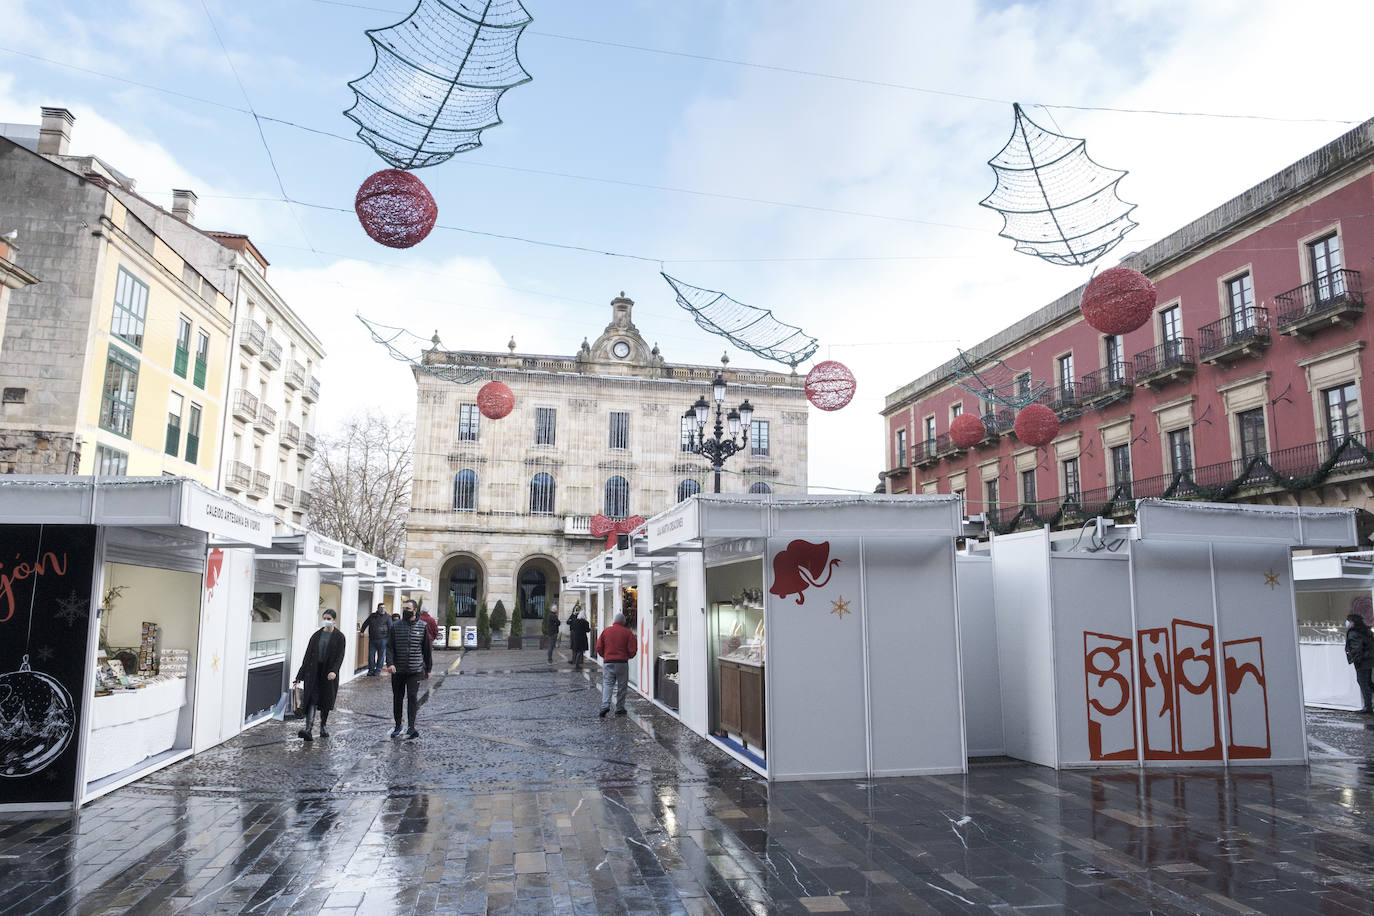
(677, 525)
(45, 608)
(321, 550)
(219, 515)
(365, 564)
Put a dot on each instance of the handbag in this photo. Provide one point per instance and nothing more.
(296, 701)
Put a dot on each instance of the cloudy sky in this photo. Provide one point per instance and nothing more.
(823, 159)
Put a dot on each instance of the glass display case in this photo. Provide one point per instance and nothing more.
(666, 641)
(738, 648)
(1321, 631)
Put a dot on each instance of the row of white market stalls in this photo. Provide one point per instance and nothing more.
(815, 637)
(143, 620)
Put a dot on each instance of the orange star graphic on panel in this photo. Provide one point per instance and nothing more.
(840, 607)
(214, 662)
(1271, 579)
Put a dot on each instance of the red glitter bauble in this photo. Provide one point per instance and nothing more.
(395, 208)
(495, 400)
(829, 385)
(1036, 425)
(967, 430)
(1119, 300)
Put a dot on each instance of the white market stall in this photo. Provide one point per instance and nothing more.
(1167, 642)
(817, 637)
(1330, 587)
(78, 720)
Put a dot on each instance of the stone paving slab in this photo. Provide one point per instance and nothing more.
(517, 798)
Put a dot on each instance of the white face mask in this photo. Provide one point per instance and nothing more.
(328, 622)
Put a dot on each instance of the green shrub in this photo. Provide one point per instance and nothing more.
(451, 618)
(483, 621)
(517, 621)
(498, 616)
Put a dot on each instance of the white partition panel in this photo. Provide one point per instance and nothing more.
(305, 616)
(815, 660)
(221, 669)
(982, 683)
(915, 717)
(349, 622)
(644, 616)
(1262, 714)
(1025, 652)
(693, 680)
(1093, 643)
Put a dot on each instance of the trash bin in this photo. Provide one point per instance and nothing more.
(455, 637)
(470, 637)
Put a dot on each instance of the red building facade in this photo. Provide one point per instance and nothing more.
(1249, 382)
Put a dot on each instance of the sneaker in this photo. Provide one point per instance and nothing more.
(305, 734)
(323, 733)
(603, 713)
(413, 733)
(396, 732)
(621, 712)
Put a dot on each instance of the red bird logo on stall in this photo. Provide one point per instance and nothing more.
(606, 527)
(213, 565)
(800, 567)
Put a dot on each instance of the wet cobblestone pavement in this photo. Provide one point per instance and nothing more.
(518, 799)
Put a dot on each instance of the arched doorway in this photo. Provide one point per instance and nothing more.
(462, 579)
(537, 587)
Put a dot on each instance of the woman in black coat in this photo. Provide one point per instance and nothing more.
(319, 674)
(578, 627)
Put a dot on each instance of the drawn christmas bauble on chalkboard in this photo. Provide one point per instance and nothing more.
(36, 721)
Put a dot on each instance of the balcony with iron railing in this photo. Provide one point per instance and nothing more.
(923, 453)
(238, 477)
(946, 447)
(267, 419)
(262, 483)
(271, 354)
(1334, 298)
(305, 498)
(1300, 467)
(245, 405)
(1237, 336)
(290, 434)
(286, 495)
(295, 374)
(1169, 362)
(1107, 382)
(1062, 399)
(253, 338)
(998, 423)
(307, 447)
(312, 390)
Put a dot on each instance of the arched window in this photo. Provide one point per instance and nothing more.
(465, 585)
(465, 490)
(687, 488)
(617, 497)
(760, 487)
(533, 588)
(541, 494)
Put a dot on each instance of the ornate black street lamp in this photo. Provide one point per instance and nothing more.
(717, 448)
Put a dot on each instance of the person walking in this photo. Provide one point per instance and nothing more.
(616, 645)
(408, 659)
(578, 628)
(318, 676)
(378, 629)
(431, 625)
(1359, 651)
(551, 627)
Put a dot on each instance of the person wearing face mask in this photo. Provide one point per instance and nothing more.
(408, 659)
(1359, 651)
(318, 676)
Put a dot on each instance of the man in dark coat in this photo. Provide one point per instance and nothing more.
(1359, 651)
(319, 674)
(578, 630)
(551, 627)
(378, 627)
(408, 658)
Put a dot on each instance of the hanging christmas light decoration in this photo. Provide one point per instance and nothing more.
(1036, 425)
(747, 327)
(830, 385)
(495, 400)
(435, 85)
(395, 208)
(1056, 202)
(405, 347)
(967, 430)
(992, 381)
(1119, 300)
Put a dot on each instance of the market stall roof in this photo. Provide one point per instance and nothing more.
(306, 548)
(132, 502)
(363, 565)
(1334, 572)
(1172, 520)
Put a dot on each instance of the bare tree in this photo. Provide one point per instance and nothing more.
(362, 483)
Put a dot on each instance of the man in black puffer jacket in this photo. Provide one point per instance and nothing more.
(1359, 651)
(408, 658)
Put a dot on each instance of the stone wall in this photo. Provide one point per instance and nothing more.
(37, 451)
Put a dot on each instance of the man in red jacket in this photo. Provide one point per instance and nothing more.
(616, 645)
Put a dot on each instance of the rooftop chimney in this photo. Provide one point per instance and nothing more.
(184, 204)
(55, 132)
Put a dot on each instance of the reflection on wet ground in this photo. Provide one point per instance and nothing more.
(519, 799)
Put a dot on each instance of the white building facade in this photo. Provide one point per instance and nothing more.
(502, 509)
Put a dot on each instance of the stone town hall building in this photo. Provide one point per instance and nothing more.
(501, 508)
